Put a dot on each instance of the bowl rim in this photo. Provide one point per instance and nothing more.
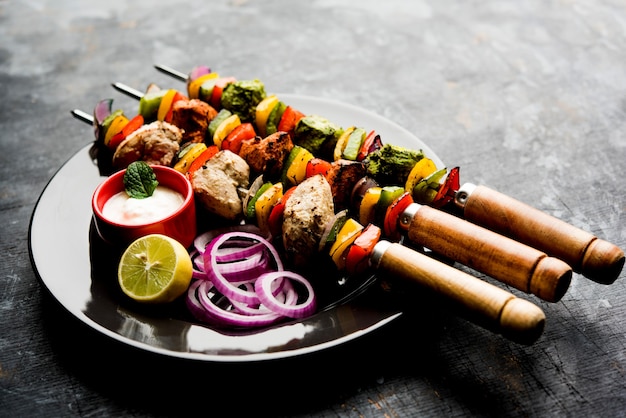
(178, 177)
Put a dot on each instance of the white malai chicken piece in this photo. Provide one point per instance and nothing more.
(216, 184)
(307, 212)
(155, 143)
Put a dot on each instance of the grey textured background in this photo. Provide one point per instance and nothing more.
(528, 97)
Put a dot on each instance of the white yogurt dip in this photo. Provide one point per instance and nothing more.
(126, 210)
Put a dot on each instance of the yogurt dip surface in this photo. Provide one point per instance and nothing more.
(122, 209)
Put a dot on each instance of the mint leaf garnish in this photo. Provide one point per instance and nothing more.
(140, 180)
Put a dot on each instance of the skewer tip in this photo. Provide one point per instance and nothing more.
(603, 262)
(129, 91)
(82, 116)
(171, 72)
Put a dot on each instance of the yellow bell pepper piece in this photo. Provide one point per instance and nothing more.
(366, 210)
(194, 86)
(346, 236)
(225, 128)
(426, 189)
(342, 142)
(263, 110)
(353, 145)
(264, 204)
(422, 169)
(190, 155)
(115, 127)
(166, 104)
(296, 172)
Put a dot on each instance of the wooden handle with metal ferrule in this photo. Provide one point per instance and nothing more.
(509, 261)
(483, 303)
(595, 258)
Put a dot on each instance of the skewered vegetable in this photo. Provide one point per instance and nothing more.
(242, 98)
(392, 164)
(248, 126)
(317, 134)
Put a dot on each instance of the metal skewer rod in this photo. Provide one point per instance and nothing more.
(82, 116)
(171, 72)
(128, 90)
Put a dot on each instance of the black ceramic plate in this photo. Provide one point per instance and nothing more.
(79, 271)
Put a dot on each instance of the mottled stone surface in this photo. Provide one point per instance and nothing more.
(527, 97)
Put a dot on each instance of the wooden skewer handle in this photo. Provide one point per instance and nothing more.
(595, 258)
(483, 303)
(502, 258)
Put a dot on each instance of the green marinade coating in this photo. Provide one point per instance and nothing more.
(317, 134)
(392, 164)
(242, 97)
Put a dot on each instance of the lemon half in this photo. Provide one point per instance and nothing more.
(155, 269)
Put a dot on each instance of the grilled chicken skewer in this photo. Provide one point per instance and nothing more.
(478, 301)
(596, 259)
(504, 259)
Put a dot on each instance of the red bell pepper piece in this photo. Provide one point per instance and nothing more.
(447, 190)
(177, 96)
(132, 125)
(218, 89)
(275, 220)
(241, 133)
(358, 255)
(392, 215)
(289, 120)
(317, 166)
(372, 142)
(206, 155)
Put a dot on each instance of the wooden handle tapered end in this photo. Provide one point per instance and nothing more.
(551, 279)
(596, 259)
(509, 261)
(476, 300)
(603, 262)
(521, 321)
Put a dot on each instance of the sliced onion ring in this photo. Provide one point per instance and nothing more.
(246, 271)
(233, 318)
(263, 288)
(239, 282)
(193, 303)
(214, 270)
(286, 294)
(239, 252)
(201, 241)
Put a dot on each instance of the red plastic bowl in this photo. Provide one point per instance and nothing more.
(180, 225)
